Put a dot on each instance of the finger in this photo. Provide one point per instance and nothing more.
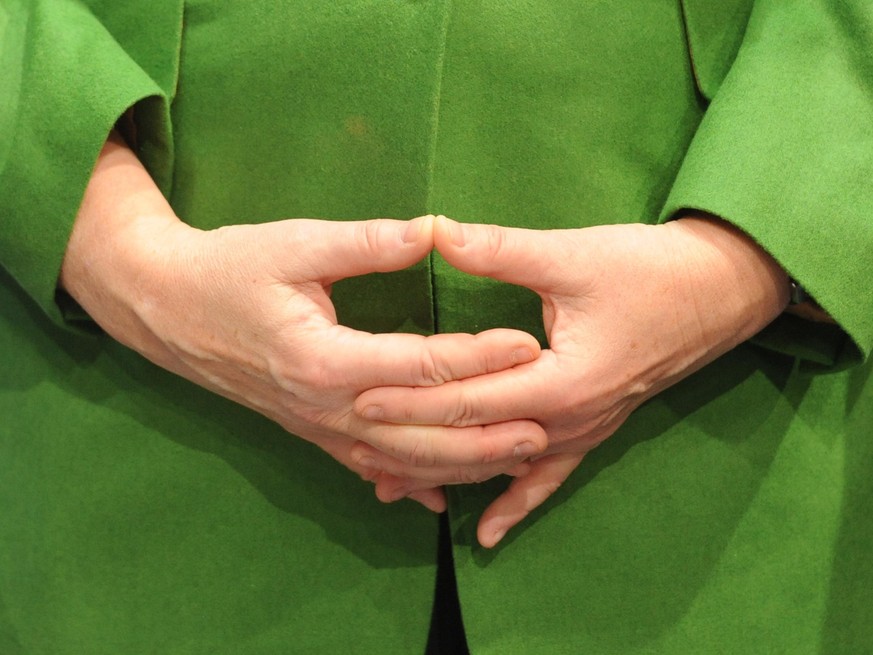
(335, 250)
(524, 495)
(390, 489)
(397, 479)
(519, 470)
(523, 392)
(427, 494)
(431, 446)
(536, 259)
(362, 360)
(387, 488)
(433, 499)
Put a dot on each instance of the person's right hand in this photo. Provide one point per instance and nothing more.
(245, 312)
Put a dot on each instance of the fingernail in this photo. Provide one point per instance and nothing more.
(372, 412)
(412, 231)
(521, 356)
(367, 462)
(497, 535)
(525, 449)
(456, 231)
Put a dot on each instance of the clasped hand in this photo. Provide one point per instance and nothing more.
(245, 311)
(628, 310)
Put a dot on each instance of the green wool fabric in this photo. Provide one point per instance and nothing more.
(784, 152)
(140, 514)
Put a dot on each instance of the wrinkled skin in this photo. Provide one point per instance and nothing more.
(628, 309)
(245, 312)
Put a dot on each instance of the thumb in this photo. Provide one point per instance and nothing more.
(332, 250)
(531, 258)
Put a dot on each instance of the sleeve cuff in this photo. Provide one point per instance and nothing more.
(785, 153)
(71, 83)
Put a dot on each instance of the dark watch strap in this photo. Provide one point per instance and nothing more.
(798, 293)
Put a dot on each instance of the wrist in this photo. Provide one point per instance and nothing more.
(741, 284)
(122, 232)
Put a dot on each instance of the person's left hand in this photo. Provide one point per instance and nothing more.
(628, 309)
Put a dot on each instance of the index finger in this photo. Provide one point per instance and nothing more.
(361, 360)
(523, 392)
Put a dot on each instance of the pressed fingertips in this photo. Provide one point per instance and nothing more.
(414, 228)
(454, 229)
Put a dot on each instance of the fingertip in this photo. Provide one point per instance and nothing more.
(533, 442)
(524, 347)
(341, 249)
(362, 455)
(432, 499)
(489, 535)
(418, 228)
(532, 344)
(449, 232)
(523, 355)
(388, 493)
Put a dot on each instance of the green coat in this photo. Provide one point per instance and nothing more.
(732, 513)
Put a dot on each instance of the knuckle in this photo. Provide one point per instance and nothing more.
(315, 375)
(465, 411)
(407, 412)
(320, 379)
(422, 453)
(489, 453)
(370, 235)
(431, 372)
(283, 376)
(496, 239)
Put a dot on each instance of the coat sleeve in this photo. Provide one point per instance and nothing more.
(66, 79)
(785, 152)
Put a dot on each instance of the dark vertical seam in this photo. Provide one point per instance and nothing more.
(431, 159)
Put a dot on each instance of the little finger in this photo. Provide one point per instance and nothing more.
(524, 495)
(400, 478)
(428, 446)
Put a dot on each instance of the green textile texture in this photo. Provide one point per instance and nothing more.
(70, 81)
(784, 151)
(730, 514)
